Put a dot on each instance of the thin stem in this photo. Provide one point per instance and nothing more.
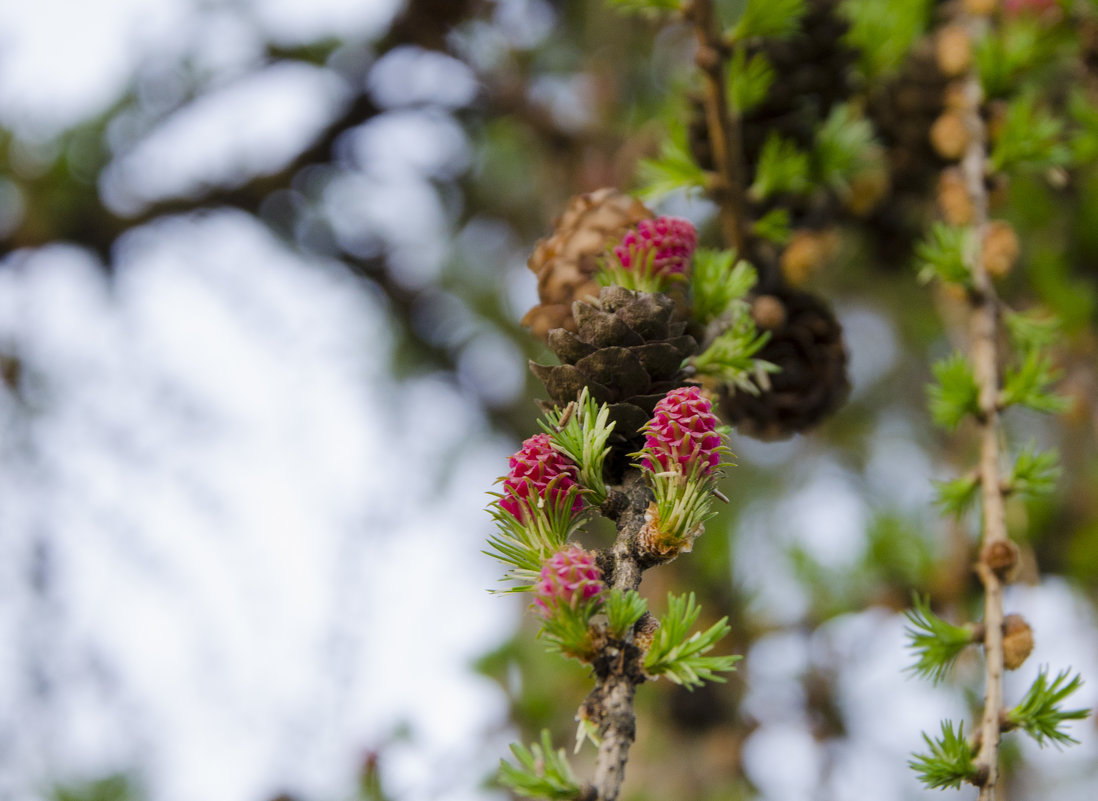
(723, 125)
(985, 357)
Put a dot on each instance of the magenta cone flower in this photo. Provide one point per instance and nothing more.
(569, 577)
(671, 240)
(535, 466)
(682, 433)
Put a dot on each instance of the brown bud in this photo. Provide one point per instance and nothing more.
(1017, 641)
(955, 96)
(981, 8)
(953, 50)
(867, 189)
(953, 198)
(1002, 557)
(1001, 248)
(769, 312)
(645, 632)
(949, 136)
(807, 252)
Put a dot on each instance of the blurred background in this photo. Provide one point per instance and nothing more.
(262, 264)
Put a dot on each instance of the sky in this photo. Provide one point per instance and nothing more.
(255, 555)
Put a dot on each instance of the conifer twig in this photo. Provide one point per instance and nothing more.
(985, 358)
(723, 126)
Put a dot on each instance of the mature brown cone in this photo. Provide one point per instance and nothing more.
(806, 343)
(566, 261)
(627, 350)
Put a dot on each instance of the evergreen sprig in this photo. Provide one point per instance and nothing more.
(623, 609)
(672, 171)
(1008, 52)
(1032, 330)
(718, 280)
(950, 762)
(770, 18)
(956, 394)
(749, 79)
(730, 358)
(942, 255)
(545, 527)
(581, 432)
(541, 771)
(1027, 384)
(782, 168)
(957, 495)
(844, 145)
(936, 643)
(1035, 472)
(567, 629)
(1040, 714)
(680, 655)
(1030, 138)
(883, 33)
(775, 226)
(682, 504)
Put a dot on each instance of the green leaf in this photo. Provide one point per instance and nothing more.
(936, 643)
(1027, 384)
(1030, 138)
(844, 147)
(957, 496)
(942, 255)
(1007, 52)
(1035, 473)
(774, 226)
(718, 280)
(883, 33)
(623, 609)
(1040, 714)
(1032, 330)
(674, 171)
(950, 762)
(773, 18)
(782, 168)
(956, 393)
(749, 80)
(583, 438)
(541, 772)
(567, 629)
(730, 357)
(680, 655)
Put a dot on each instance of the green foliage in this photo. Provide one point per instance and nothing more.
(581, 432)
(541, 772)
(683, 503)
(567, 629)
(749, 80)
(1084, 141)
(525, 544)
(942, 255)
(844, 145)
(956, 393)
(1032, 330)
(771, 18)
(950, 762)
(673, 171)
(1030, 138)
(718, 281)
(1007, 52)
(782, 168)
(957, 496)
(623, 609)
(1027, 384)
(936, 643)
(883, 33)
(645, 6)
(1040, 714)
(774, 226)
(730, 358)
(680, 655)
(1035, 473)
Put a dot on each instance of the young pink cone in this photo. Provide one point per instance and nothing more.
(682, 434)
(538, 467)
(670, 240)
(569, 577)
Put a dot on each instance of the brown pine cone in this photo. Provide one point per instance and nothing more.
(566, 261)
(806, 343)
(627, 350)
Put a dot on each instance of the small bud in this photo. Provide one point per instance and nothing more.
(949, 136)
(538, 466)
(953, 50)
(769, 312)
(668, 241)
(1017, 641)
(867, 189)
(645, 632)
(808, 251)
(682, 434)
(953, 198)
(1001, 248)
(1002, 557)
(569, 578)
